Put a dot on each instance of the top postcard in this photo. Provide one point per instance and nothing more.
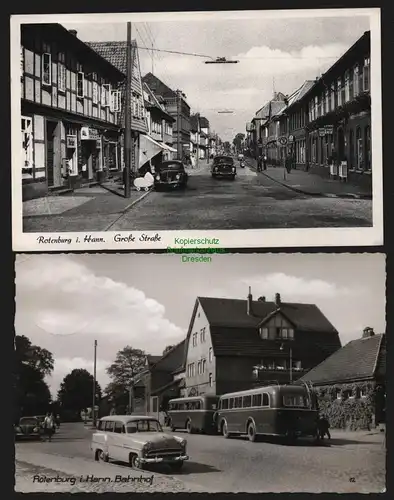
(197, 131)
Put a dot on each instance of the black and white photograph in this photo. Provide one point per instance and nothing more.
(253, 373)
(157, 130)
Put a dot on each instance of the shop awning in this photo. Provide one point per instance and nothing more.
(149, 148)
(169, 148)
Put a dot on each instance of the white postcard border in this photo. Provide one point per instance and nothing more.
(228, 239)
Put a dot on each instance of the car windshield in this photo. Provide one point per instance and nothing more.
(171, 166)
(28, 421)
(143, 426)
(224, 159)
(295, 400)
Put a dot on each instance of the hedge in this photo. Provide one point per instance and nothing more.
(349, 413)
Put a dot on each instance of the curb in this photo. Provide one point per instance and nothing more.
(127, 209)
(112, 190)
(319, 193)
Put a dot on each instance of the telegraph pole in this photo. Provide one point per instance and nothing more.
(94, 385)
(177, 124)
(127, 138)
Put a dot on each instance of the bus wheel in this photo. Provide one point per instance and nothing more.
(189, 427)
(252, 432)
(225, 432)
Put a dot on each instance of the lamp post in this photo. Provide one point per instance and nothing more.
(291, 361)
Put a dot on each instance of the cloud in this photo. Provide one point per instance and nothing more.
(292, 288)
(65, 306)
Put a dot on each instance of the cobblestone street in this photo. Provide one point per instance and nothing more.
(352, 462)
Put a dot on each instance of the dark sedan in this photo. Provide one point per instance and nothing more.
(171, 174)
(223, 166)
(28, 428)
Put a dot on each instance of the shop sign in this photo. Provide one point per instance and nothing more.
(329, 129)
(322, 132)
(282, 141)
(71, 141)
(291, 138)
(89, 134)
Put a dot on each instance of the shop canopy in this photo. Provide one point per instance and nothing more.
(149, 148)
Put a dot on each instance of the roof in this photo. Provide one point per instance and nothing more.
(357, 360)
(152, 359)
(172, 359)
(233, 313)
(235, 333)
(114, 52)
(157, 86)
(194, 123)
(204, 123)
(127, 418)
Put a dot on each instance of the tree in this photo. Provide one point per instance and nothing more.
(168, 348)
(32, 364)
(76, 391)
(238, 141)
(226, 146)
(128, 363)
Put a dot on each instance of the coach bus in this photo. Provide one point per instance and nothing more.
(287, 411)
(195, 414)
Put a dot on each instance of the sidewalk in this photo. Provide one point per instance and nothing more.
(82, 210)
(313, 184)
(65, 474)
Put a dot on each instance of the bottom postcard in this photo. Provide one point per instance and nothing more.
(247, 373)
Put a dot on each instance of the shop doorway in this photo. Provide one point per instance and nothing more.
(89, 159)
(52, 150)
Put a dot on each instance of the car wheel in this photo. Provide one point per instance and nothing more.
(177, 466)
(138, 188)
(224, 428)
(134, 461)
(100, 456)
(146, 189)
(252, 432)
(189, 427)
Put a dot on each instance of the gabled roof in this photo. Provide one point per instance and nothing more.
(172, 359)
(204, 123)
(157, 86)
(233, 313)
(357, 360)
(300, 92)
(152, 359)
(114, 52)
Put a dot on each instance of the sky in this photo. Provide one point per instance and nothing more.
(274, 55)
(64, 302)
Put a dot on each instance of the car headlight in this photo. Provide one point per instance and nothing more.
(146, 447)
(178, 176)
(35, 429)
(18, 429)
(157, 177)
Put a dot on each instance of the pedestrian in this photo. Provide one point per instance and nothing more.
(49, 426)
(259, 163)
(57, 421)
(323, 428)
(265, 162)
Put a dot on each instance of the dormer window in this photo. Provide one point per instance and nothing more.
(276, 332)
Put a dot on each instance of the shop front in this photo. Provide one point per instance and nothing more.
(151, 153)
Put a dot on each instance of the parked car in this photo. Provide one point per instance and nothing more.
(28, 428)
(171, 173)
(138, 440)
(223, 166)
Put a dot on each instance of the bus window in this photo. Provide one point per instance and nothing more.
(295, 400)
(238, 402)
(266, 401)
(197, 405)
(247, 401)
(231, 405)
(224, 404)
(256, 400)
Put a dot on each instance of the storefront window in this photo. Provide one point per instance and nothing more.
(71, 160)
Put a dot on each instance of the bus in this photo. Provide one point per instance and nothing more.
(195, 414)
(279, 410)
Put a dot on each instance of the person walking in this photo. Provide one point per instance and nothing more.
(259, 163)
(323, 428)
(265, 162)
(49, 426)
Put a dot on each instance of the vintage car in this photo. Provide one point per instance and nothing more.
(170, 173)
(28, 428)
(223, 166)
(138, 440)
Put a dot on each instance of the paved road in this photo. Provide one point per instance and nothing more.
(252, 201)
(236, 465)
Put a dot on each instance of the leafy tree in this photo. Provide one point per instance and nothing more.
(32, 364)
(168, 348)
(238, 140)
(128, 363)
(76, 391)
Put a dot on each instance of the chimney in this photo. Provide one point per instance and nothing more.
(249, 303)
(261, 299)
(368, 332)
(277, 299)
(73, 32)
